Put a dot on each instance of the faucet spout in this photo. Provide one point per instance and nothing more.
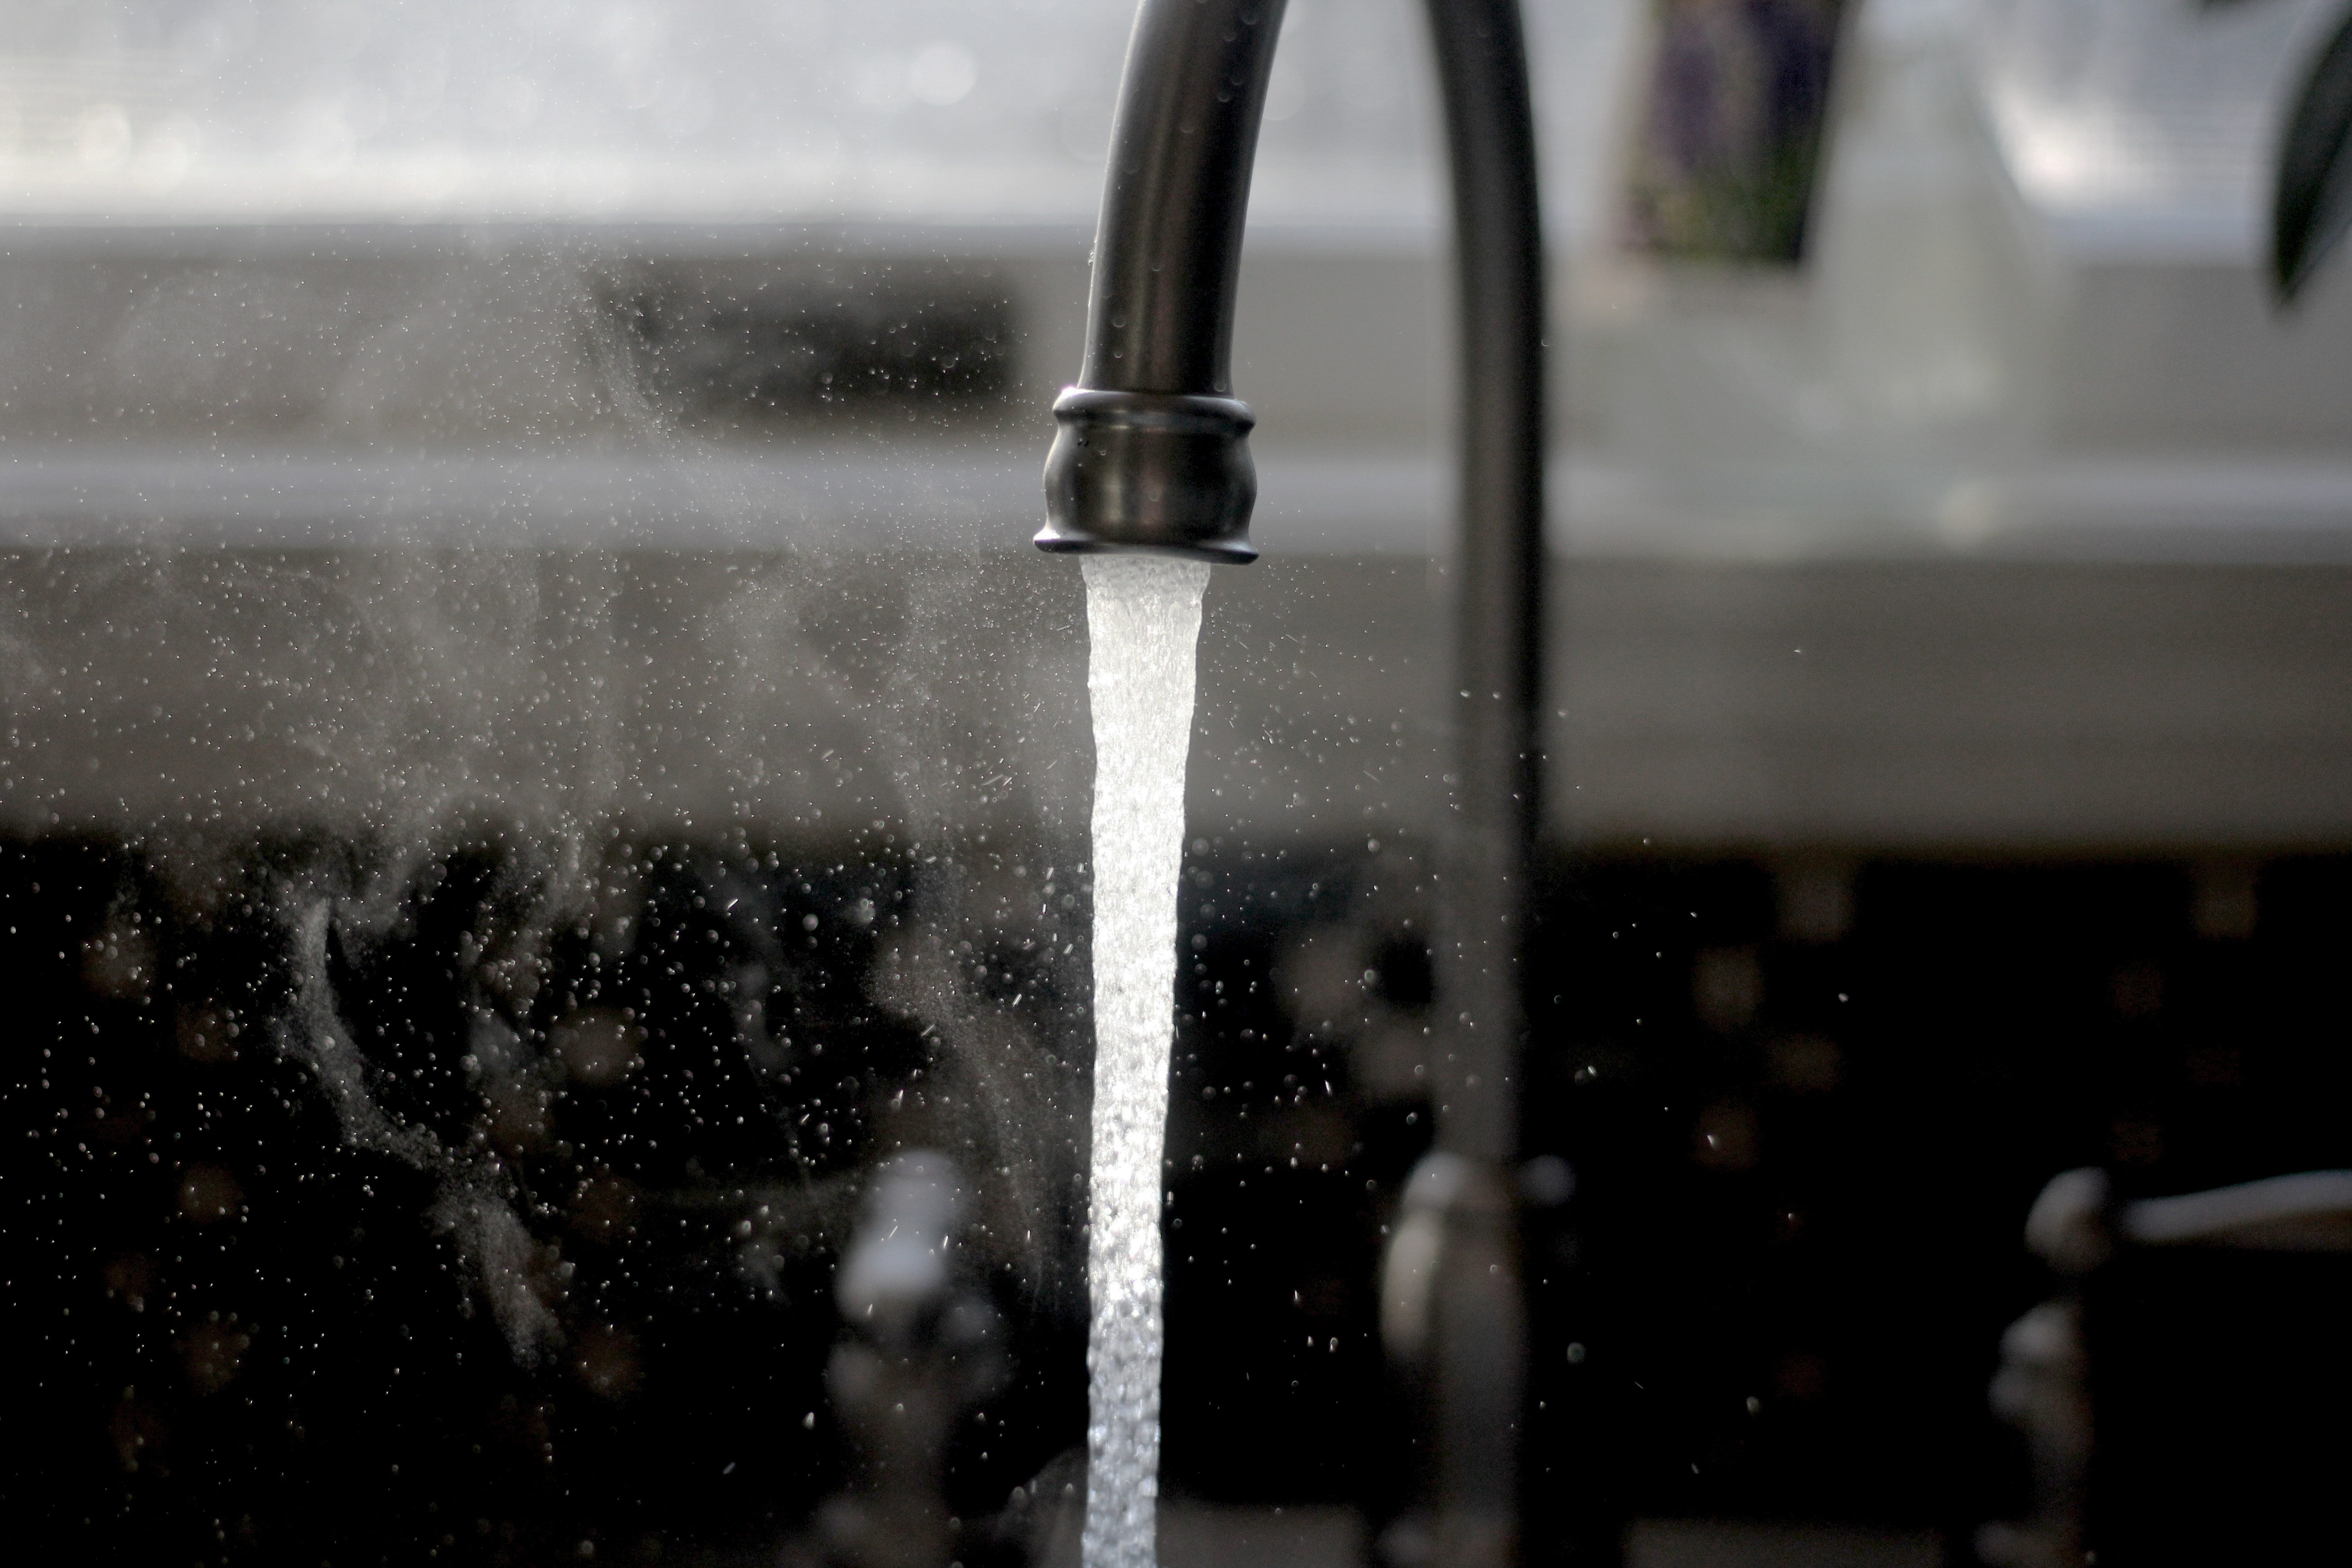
(1152, 452)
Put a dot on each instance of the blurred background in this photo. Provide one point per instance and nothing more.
(544, 790)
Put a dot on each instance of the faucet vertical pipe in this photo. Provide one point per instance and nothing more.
(1497, 565)
(1486, 849)
(1152, 455)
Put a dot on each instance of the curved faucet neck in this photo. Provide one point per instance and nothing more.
(1167, 251)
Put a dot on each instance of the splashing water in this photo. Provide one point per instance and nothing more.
(1143, 618)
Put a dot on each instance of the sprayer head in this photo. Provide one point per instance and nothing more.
(1164, 472)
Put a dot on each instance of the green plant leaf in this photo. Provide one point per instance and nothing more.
(2313, 204)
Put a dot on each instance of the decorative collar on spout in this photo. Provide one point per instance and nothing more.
(1166, 472)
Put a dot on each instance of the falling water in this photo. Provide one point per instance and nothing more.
(1143, 615)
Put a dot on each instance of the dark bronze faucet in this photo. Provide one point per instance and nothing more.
(1152, 455)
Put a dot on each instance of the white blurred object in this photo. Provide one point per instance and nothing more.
(898, 1267)
(2141, 127)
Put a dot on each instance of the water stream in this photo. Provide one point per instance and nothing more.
(1144, 618)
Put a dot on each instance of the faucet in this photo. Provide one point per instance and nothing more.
(920, 1346)
(1150, 453)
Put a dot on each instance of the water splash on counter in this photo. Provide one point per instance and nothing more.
(1144, 618)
